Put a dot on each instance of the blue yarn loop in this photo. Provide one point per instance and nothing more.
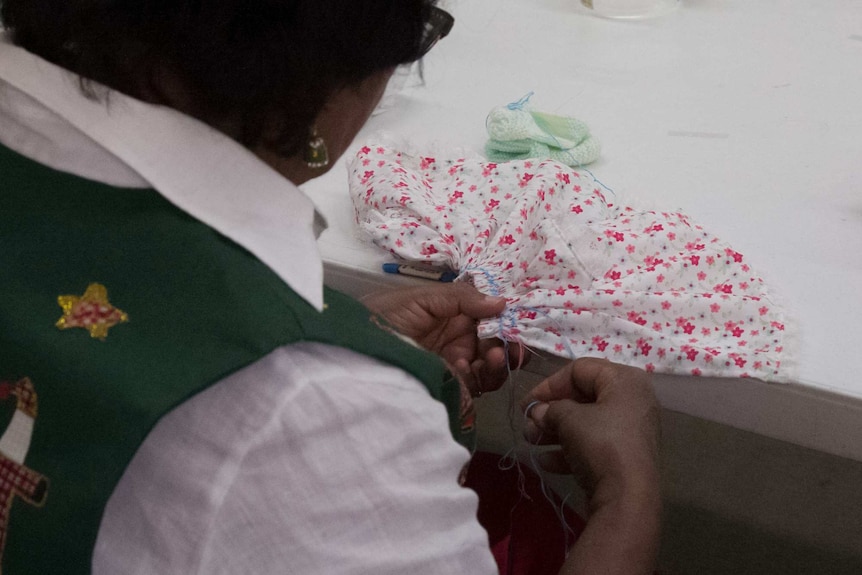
(519, 105)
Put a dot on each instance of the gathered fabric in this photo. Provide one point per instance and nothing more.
(583, 276)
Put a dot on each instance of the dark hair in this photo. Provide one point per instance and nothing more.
(268, 64)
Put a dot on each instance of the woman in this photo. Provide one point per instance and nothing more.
(194, 400)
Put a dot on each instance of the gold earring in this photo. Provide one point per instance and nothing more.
(316, 155)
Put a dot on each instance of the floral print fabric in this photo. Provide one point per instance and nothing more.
(583, 276)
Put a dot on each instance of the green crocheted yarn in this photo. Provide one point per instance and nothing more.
(518, 133)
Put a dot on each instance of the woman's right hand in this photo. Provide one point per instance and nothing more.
(605, 418)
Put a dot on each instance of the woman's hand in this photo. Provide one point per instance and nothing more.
(605, 418)
(442, 318)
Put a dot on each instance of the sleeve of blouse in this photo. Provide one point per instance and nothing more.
(315, 459)
(354, 473)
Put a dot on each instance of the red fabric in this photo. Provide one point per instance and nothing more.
(525, 533)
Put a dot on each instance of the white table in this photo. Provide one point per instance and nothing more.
(745, 115)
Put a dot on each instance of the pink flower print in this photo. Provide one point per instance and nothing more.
(665, 305)
(743, 286)
(364, 150)
(705, 331)
(662, 352)
(617, 303)
(635, 317)
(659, 278)
(777, 325)
(494, 189)
(448, 225)
(366, 162)
(643, 346)
(428, 250)
(455, 196)
(650, 368)
(399, 243)
(454, 170)
(528, 164)
(507, 240)
(488, 169)
(613, 275)
(715, 308)
(690, 352)
(563, 177)
(723, 288)
(618, 348)
(737, 257)
(449, 239)
(472, 188)
(523, 183)
(492, 205)
(671, 236)
(558, 347)
(694, 259)
(763, 311)
(541, 194)
(380, 150)
(630, 248)
(600, 343)
(710, 260)
(695, 371)
(534, 236)
(560, 291)
(688, 328)
(651, 262)
(526, 314)
(739, 361)
(701, 276)
(577, 209)
(367, 176)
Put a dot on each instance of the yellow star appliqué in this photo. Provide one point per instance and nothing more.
(91, 311)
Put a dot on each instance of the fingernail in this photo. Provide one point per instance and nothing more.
(536, 410)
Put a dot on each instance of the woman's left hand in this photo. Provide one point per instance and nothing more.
(442, 318)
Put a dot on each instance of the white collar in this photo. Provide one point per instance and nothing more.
(195, 167)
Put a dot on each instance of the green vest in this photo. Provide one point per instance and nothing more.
(198, 308)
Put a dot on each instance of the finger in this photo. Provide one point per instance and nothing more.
(517, 355)
(462, 370)
(538, 436)
(576, 381)
(473, 303)
(491, 369)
